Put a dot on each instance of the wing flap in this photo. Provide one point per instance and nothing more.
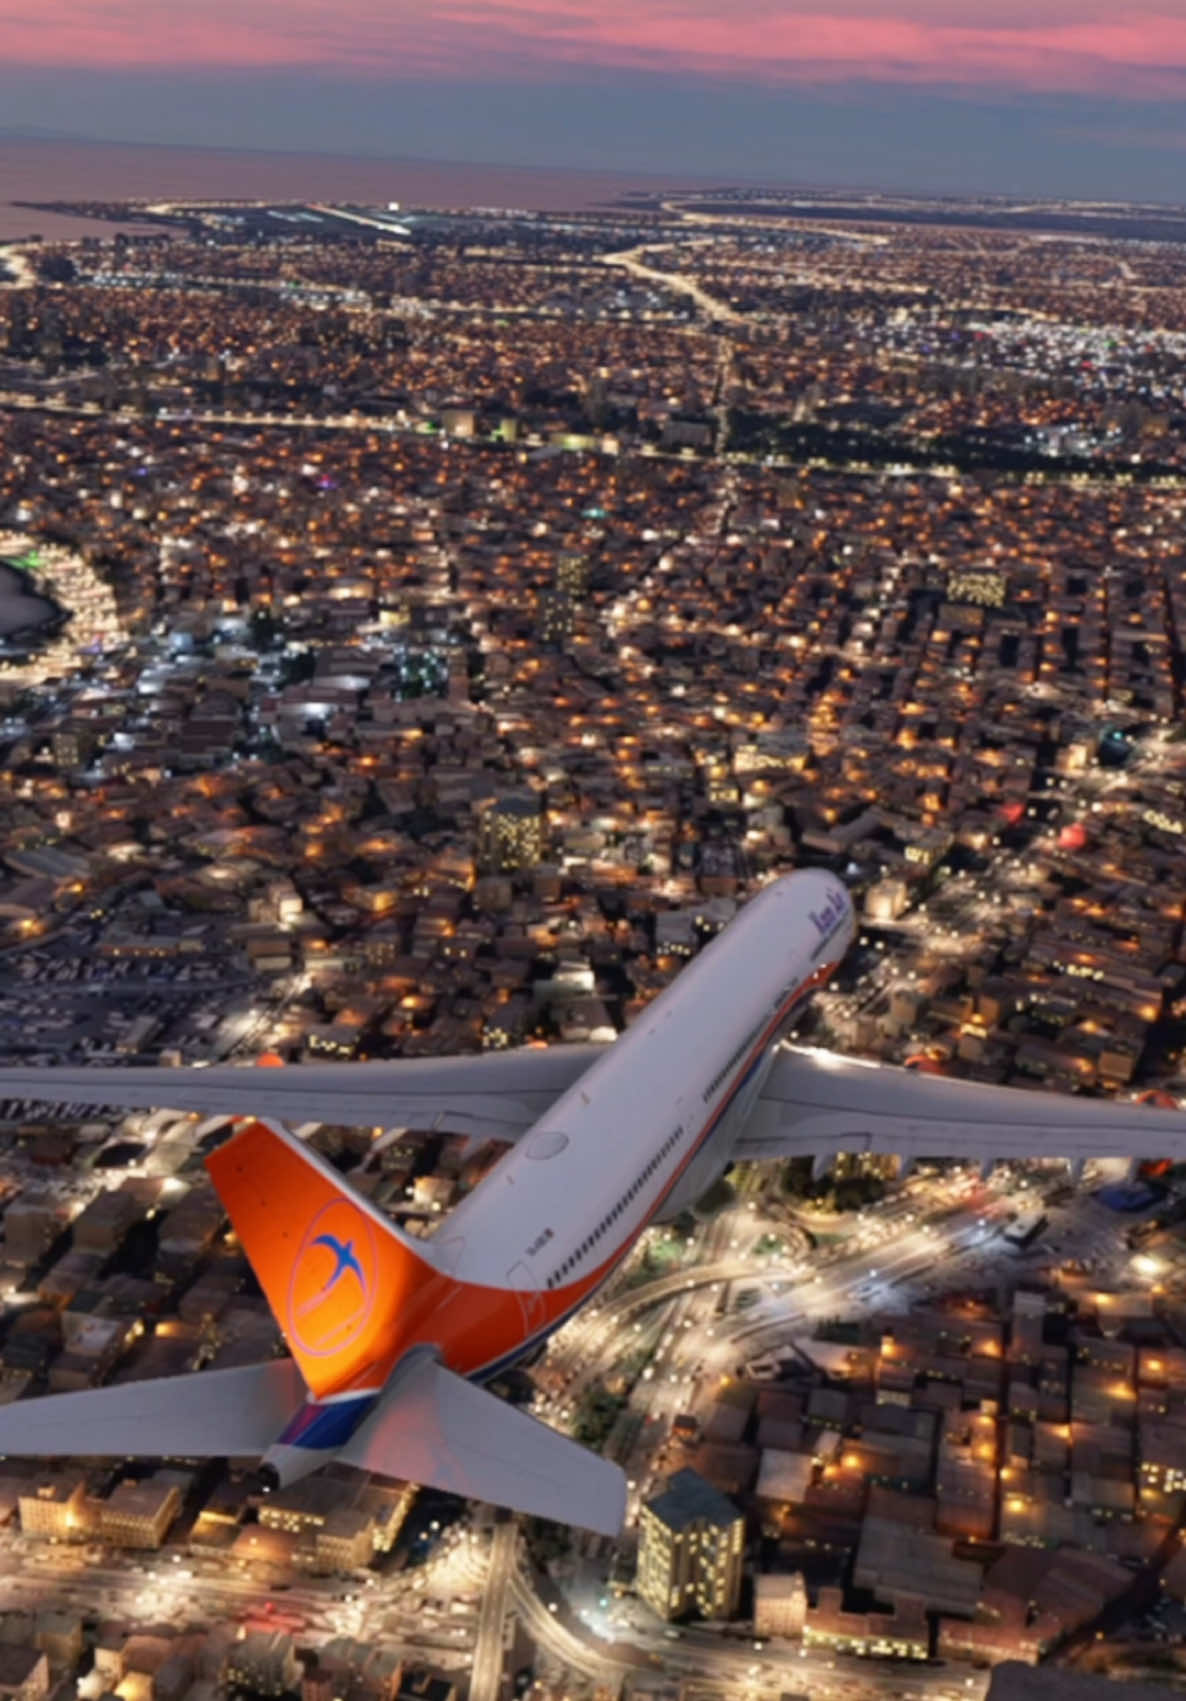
(435, 1428)
(497, 1095)
(816, 1102)
(211, 1414)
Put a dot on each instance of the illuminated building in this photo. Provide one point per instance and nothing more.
(1162, 1467)
(556, 618)
(333, 1039)
(981, 586)
(507, 1024)
(73, 745)
(510, 835)
(303, 1505)
(780, 1604)
(690, 1550)
(848, 1166)
(899, 1635)
(263, 1661)
(338, 1522)
(929, 847)
(345, 1541)
(887, 899)
(138, 1514)
(572, 575)
(55, 1509)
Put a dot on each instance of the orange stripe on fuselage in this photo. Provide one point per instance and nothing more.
(475, 1326)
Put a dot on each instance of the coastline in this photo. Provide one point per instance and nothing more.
(80, 621)
(40, 171)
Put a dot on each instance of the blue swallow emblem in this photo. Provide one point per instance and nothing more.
(343, 1251)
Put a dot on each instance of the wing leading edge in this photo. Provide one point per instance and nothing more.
(497, 1095)
(817, 1103)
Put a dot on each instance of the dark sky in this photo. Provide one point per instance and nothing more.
(1066, 97)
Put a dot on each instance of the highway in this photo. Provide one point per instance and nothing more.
(630, 261)
(887, 1258)
(486, 1671)
(163, 1588)
(683, 1350)
(729, 1664)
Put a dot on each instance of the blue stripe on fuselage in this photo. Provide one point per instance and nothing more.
(326, 1425)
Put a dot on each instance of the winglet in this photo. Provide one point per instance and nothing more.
(336, 1272)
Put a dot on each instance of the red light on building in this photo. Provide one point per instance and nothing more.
(1073, 837)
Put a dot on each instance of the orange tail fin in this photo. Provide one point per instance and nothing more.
(337, 1274)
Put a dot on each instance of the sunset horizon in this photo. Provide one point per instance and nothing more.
(1052, 99)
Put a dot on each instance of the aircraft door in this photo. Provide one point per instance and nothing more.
(531, 1300)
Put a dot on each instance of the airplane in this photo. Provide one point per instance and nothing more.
(392, 1337)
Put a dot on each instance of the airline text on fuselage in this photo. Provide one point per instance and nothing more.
(829, 916)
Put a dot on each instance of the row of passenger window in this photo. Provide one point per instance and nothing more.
(611, 1216)
(727, 1068)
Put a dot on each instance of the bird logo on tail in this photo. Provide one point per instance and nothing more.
(332, 1288)
(345, 1262)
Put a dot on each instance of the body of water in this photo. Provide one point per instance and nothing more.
(21, 608)
(101, 171)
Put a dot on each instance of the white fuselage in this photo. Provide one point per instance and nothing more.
(655, 1118)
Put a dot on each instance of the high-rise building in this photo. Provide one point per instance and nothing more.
(556, 609)
(691, 1546)
(555, 618)
(572, 575)
(510, 834)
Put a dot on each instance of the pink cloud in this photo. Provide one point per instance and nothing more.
(1046, 44)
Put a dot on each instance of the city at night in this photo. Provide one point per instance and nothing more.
(592, 797)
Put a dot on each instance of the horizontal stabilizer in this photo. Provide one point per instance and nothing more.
(438, 1430)
(211, 1414)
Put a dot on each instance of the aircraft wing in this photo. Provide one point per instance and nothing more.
(210, 1414)
(815, 1102)
(434, 1428)
(495, 1094)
